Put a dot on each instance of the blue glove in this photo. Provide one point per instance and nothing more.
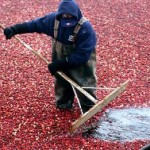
(60, 64)
(9, 32)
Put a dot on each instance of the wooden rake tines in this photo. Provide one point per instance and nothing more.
(98, 106)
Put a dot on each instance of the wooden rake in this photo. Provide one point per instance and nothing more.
(99, 105)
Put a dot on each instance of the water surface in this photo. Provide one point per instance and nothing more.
(123, 125)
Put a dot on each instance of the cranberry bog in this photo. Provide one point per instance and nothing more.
(28, 117)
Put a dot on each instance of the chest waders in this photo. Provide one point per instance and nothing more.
(83, 75)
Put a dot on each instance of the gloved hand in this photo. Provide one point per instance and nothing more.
(58, 65)
(9, 32)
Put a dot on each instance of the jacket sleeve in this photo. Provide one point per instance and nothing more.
(85, 45)
(42, 25)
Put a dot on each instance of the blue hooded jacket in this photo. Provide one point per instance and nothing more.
(85, 40)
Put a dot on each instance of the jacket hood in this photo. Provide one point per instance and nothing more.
(69, 7)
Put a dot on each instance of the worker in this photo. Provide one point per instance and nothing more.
(73, 51)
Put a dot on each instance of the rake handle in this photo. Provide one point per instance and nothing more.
(28, 47)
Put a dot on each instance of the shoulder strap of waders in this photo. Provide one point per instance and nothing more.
(78, 26)
(56, 24)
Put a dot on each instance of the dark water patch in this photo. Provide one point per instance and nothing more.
(122, 125)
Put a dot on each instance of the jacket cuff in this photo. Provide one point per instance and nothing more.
(20, 28)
